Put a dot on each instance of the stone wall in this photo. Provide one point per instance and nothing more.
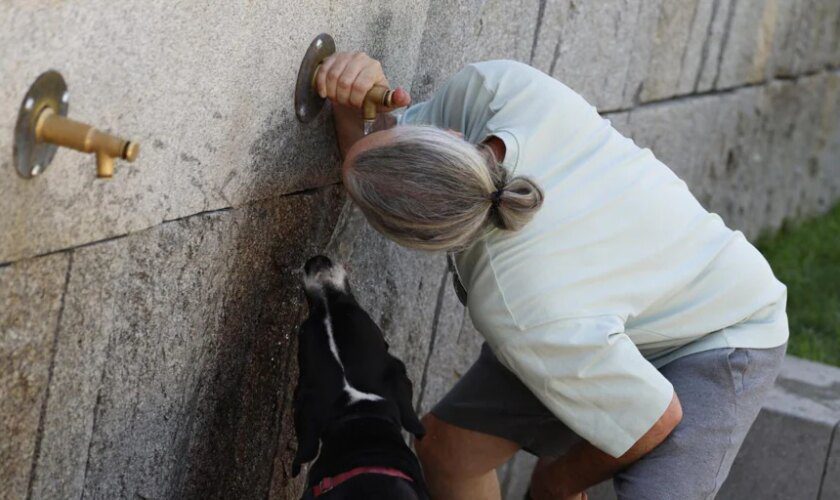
(147, 322)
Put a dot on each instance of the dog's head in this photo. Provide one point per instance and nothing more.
(322, 276)
(344, 363)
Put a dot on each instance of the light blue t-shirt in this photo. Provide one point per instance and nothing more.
(620, 271)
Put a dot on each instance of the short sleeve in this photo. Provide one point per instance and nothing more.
(462, 104)
(591, 376)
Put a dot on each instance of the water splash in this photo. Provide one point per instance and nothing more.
(368, 127)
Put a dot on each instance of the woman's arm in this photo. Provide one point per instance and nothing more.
(585, 465)
(345, 78)
(592, 377)
(348, 127)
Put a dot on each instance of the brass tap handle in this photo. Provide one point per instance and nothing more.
(56, 129)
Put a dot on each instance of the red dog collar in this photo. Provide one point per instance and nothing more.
(329, 483)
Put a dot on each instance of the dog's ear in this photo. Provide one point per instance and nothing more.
(402, 392)
(307, 417)
(307, 431)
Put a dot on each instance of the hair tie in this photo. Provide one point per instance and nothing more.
(496, 198)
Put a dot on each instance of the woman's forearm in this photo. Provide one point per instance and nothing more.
(348, 127)
(585, 465)
(345, 78)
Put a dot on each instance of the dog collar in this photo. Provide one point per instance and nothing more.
(328, 483)
(361, 415)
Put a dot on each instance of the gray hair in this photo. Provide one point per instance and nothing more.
(430, 190)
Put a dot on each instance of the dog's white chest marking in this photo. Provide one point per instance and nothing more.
(354, 394)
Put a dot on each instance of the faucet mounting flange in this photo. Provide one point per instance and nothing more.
(32, 156)
(307, 101)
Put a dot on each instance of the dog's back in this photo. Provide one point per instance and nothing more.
(353, 398)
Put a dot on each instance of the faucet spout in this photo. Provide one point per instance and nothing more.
(379, 95)
(56, 129)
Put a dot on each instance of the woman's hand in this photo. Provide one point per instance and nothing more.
(346, 77)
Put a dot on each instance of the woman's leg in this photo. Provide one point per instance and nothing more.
(483, 420)
(459, 463)
(721, 392)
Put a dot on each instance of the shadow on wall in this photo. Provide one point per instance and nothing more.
(245, 439)
(174, 361)
(282, 150)
(285, 144)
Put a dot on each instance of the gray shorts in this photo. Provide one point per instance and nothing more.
(721, 392)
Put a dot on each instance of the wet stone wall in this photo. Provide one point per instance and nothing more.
(147, 323)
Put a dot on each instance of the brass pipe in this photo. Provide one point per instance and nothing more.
(56, 129)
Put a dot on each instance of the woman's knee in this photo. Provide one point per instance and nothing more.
(455, 451)
(431, 448)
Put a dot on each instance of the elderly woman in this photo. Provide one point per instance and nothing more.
(629, 333)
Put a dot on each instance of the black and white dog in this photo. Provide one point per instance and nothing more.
(352, 400)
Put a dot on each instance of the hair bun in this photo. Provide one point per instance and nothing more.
(518, 202)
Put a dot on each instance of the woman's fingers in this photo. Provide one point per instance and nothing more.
(321, 76)
(346, 78)
(401, 98)
(334, 73)
(370, 75)
(356, 64)
(323, 85)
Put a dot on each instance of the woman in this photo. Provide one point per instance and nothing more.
(629, 332)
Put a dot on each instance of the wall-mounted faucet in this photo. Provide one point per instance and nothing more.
(307, 101)
(43, 126)
(56, 129)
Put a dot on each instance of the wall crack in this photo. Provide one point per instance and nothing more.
(204, 213)
(723, 91)
(39, 436)
(435, 324)
(832, 443)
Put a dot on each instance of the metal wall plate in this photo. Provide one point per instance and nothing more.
(307, 101)
(31, 156)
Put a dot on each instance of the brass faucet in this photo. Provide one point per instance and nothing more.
(56, 129)
(42, 126)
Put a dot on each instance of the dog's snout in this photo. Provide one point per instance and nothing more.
(317, 264)
(320, 272)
